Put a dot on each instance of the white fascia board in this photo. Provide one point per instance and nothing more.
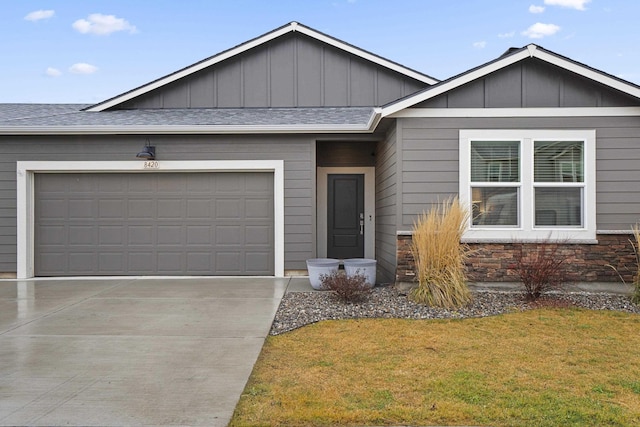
(457, 82)
(186, 130)
(517, 112)
(193, 69)
(374, 120)
(365, 55)
(588, 73)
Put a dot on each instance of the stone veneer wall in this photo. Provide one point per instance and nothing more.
(495, 262)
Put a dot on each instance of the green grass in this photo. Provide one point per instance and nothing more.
(545, 367)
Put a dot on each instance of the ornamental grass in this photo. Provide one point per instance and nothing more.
(440, 257)
(636, 250)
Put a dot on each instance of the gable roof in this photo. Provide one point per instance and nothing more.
(69, 119)
(279, 32)
(511, 57)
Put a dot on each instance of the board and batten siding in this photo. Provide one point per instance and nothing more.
(290, 71)
(298, 153)
(430, 162)
(386, 206)
(531, 84)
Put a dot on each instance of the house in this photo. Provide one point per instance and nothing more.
(296, 145)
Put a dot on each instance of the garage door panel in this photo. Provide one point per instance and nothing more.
(258, 235)
(111, 262)
(79, 235)
(156, 223)
(111, 209)
(258, 208)
(170, 235)
(228, 235)
(170, 208)
(81, 261)
(140, 208)
(199, 262)
(199, 208)
(139, 261)
(141, 235)
(199, 234)
(116, 184)
(53, 235)
(56, 209)
(259, 260)
(229, 263)
(78, 209)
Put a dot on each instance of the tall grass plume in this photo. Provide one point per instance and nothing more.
(635, 244)
(636, 250)
(440, 257)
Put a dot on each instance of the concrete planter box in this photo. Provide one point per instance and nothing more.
(364, 266)
(318, 267)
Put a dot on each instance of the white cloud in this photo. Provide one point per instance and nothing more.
(507, 35)
(538, 30)
(480, 45)
(536, 9)
(571, 4)
(53, 72)
(38, 15)
(83, 68)
(102, 25)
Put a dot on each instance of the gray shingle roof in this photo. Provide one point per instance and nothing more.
(60, 116)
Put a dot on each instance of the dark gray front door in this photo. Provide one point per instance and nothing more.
(345, 216)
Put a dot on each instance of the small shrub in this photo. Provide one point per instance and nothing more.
(440, 257)
(350, 288)
(540, 270)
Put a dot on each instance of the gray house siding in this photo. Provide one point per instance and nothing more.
(299, 177)
(430, 162)
(291, 71)
(530, 84)
(386, 206)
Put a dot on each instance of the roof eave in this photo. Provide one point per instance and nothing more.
(190, 130)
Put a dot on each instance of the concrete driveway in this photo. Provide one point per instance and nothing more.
(129, 351)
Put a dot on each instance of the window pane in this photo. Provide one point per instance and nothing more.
(559, 161)
(558, 207)
(497, 206)
(495, 161)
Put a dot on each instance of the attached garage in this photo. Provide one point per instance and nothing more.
(154, 222)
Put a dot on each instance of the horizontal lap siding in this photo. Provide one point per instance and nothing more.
(386, 200)
(299, 182)
(430, 162)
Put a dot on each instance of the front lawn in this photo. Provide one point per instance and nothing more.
(546, 367)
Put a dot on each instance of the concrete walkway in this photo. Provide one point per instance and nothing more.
(123, 352)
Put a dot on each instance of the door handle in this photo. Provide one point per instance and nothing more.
(362, 223)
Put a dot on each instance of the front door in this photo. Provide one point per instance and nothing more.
(345, 216)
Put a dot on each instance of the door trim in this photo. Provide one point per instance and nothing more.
(369, 173)
(25, 194)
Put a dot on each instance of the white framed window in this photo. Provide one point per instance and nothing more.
(528, 185)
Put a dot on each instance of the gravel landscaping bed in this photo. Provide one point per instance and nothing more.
(302, 308)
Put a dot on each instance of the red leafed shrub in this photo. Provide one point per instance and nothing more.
(540, 268)
(349, 288)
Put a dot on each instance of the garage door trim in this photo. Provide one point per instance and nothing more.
(25, 194)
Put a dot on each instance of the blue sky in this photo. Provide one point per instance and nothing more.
(86, 51)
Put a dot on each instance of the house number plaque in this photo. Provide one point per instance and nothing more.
(151, 164)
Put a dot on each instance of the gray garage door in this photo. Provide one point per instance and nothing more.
(154, 224)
